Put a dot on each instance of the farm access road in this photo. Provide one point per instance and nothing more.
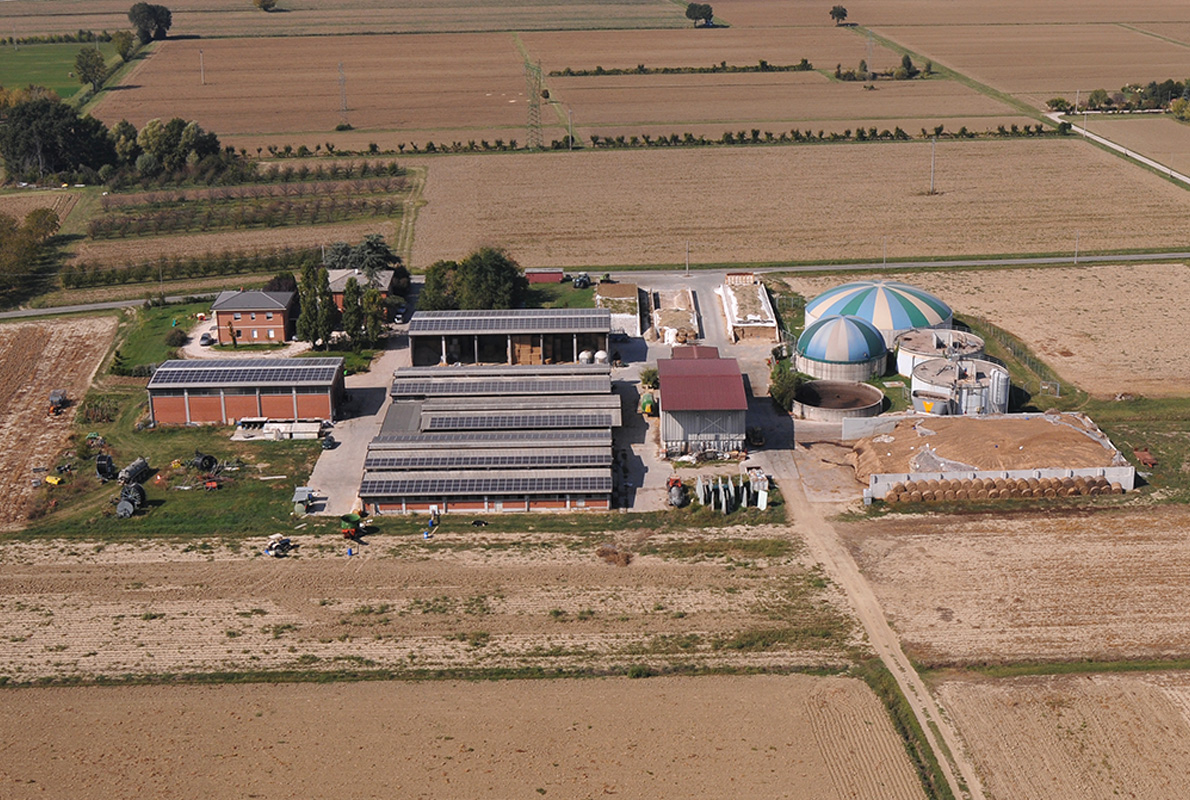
(1079, 130)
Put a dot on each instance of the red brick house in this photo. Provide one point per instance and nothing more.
(383, 282)
(256, 317)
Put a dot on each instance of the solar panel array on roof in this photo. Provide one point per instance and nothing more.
(423, 387)
(490, 422)
(250, 371)
(445, 484)
(423, 460)
(578, 403)
(532, 320)
(492, 439)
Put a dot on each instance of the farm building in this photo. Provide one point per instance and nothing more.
(747, 308)
(517, 336)
(545, 275)
(946, 386)
(255, 317)
(841, 349)
(891, 307)
(221, 391)
(623, 301)
(495, 439)
(703, 403)
(382, 280)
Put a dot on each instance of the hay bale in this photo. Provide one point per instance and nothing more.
(1051, 492)
(948, 495)
(898, 488)
(1117, 488)
(915, 496)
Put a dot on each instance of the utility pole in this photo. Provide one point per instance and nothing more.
(342, 93)
(1076, 235)
(933, 147)
(202, 69)
(687, 258)
(886, 250)
(570, 119)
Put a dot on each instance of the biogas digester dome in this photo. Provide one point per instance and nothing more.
(841, 348)
(891, 307)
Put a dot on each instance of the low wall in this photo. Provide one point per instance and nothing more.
(879, 484)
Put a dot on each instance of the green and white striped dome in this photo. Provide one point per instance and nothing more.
(890, 306)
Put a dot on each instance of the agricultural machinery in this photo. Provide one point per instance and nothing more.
(132, 496)
(352, 525)
(135, 472)
(203, 462)
(278, 545)
(58, 401)
(105, 468)
(675, 491)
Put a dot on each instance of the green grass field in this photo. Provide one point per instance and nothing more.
(49, 65)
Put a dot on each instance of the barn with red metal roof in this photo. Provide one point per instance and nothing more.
(703, 403)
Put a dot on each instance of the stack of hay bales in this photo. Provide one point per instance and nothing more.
(981, 489)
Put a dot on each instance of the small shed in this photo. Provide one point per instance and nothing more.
(703, 405)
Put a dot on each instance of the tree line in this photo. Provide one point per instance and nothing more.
(1169, 94)
(21, 245)
(722, 67)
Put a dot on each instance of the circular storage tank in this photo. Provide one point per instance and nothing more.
(832, 401)
(892, 307)
(922, 344)
(960, 386)
(841, 348)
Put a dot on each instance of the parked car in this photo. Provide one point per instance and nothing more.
(206, 340)
(328, 442)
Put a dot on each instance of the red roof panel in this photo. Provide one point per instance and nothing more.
(701, 384)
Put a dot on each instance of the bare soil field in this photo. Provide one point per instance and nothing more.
(1085, 736)
(35, 359)
(1082, 321)
(464, 601)
(1161, 138)
(775, 101)
(421, 82)
(1102, 585)
(219, 18)
(762, 736)
(1047, 60)
(18, 204)
(118, 252)
(635, 207)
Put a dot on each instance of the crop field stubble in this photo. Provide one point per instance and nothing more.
(748, 736)
(1158, 136)
(641, 207)
(36, 358)
(1076, 736)
(1082, 321)
(224, 18)
(1104, 585)
(18, 204)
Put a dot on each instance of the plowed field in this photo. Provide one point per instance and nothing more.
(18, 204)
(1075, 737)
(795, 203)
(776, 737)
(962, 590)
(35, 359)
(1083, 321)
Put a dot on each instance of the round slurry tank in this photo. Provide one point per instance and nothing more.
(891, 306)
(832, 401)
(966, 386)
(922, 344)
(842, 349)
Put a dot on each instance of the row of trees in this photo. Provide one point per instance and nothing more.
(365, 311)
(906, 71)
(722, 67)
(1133, 97)
(21, 245)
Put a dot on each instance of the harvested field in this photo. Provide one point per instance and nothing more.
(1102, 585)
(1108, 329)
(1068, 737)
(1046, 60)
(633, 207)
(35, 359)
(464, 601)
(392, 83)
(1161, 138)
(220, 18)
(18, 204)
(760, 736)
(117, 252)
(778, 101)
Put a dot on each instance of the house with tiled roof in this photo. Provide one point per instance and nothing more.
(255, 317)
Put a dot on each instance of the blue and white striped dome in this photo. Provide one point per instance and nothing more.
(841, 340)
(890, 306)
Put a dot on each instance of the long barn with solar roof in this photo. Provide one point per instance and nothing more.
(222, 391)
(891, 307)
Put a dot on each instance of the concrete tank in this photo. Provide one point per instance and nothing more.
(967, 386)
(922, 344)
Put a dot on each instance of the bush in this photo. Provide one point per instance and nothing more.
(176, 337)
(648, 377)
(784, 384)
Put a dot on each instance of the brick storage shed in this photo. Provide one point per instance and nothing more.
(703, 403)
(517, 336)
(222, 391)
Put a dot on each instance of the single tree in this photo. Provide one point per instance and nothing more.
(281, 282)
(700, 11)
(908, 65)
(1098, 99)
(353, 310)
(151, 21)
(307, 321)
(328, 312)
(265, 5)
(125, 44)
(838, 14)
(374, 317)
(90, 67)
